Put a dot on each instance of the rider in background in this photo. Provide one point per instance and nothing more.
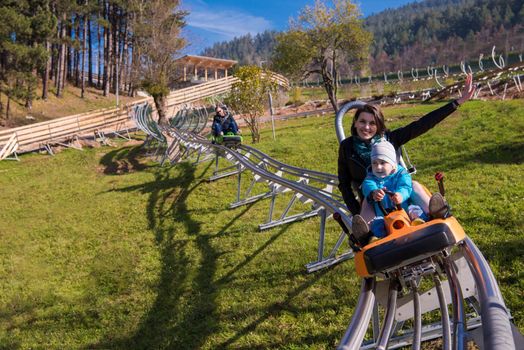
(223, 122)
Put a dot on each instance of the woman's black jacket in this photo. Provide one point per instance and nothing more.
(352, 169)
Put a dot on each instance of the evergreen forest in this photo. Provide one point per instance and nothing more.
(433, 32)
(48, 43)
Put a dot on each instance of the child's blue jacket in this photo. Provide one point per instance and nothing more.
(400, 181)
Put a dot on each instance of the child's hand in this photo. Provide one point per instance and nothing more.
(397, 198)
(378, 195)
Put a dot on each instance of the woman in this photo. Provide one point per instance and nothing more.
(368, 126)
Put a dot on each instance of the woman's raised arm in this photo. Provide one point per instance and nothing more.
(468, 91)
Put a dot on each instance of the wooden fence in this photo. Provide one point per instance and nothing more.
(62, 130)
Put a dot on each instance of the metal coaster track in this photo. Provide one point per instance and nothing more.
(459, 273)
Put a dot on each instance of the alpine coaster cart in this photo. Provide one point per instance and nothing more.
(397, 271)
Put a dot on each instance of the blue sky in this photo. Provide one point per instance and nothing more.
(210, 21)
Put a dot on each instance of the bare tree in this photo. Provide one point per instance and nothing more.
(156, 26)
(320, 39)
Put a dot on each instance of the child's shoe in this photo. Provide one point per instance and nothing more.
(373, 239)
(417, 221)
(438, 207)
(360, 229)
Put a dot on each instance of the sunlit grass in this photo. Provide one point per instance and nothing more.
(153, 258)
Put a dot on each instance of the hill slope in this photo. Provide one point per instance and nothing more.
(152, 258)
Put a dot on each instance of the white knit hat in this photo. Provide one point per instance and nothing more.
(385, 151)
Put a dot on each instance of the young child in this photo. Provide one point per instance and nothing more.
(385, 175)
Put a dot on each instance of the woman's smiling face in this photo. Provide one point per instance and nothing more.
(366, 126)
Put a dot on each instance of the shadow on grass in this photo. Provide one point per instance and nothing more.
(170, 317)
(229, 276)
(183, 314)
(272, 311)
(123, 160)
(508, 153)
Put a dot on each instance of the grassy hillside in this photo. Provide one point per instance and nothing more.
(104, 249)
(376, 88)
(69, 104)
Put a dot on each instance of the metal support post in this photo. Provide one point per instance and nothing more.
(272, 206)
(444, 314)
(459, 339)
(271, 114)
(389, 318)
(417, 321)
(320, 253)
(239, 182)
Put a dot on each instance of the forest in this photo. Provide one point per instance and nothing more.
(48, 43)
(415, 35)
(45, 44)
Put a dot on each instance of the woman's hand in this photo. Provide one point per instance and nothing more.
(468, 91)
(378, 195)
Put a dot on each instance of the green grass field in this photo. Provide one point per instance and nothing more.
(103, 249)
(376, 88)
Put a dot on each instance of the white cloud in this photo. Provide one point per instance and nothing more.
(227, 23)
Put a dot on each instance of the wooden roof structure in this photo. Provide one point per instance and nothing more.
(206, 62)
(203, 63)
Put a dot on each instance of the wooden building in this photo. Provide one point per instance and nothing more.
(199, 69)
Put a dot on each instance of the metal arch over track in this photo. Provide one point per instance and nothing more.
(460, 274)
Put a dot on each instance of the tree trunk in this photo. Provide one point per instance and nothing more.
(66, 56)
(107, 52)
(99, 64)
(115, 48)
(45, 75)
(58, 57)
(61, 59)
(77, 52)
(29, 98)
(1, 103)
(84, 41)
(52, 72)
(328, 85)
(90, 53)
(132, 70)
(7, 107)
(124, 63)
(252, 124)
(70, 51)
(334, 74)
(160, 104)
(256, 130)
(63, 75)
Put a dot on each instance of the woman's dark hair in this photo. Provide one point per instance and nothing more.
(221, 106)
(377, 115)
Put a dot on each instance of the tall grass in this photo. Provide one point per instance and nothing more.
(104, 249)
